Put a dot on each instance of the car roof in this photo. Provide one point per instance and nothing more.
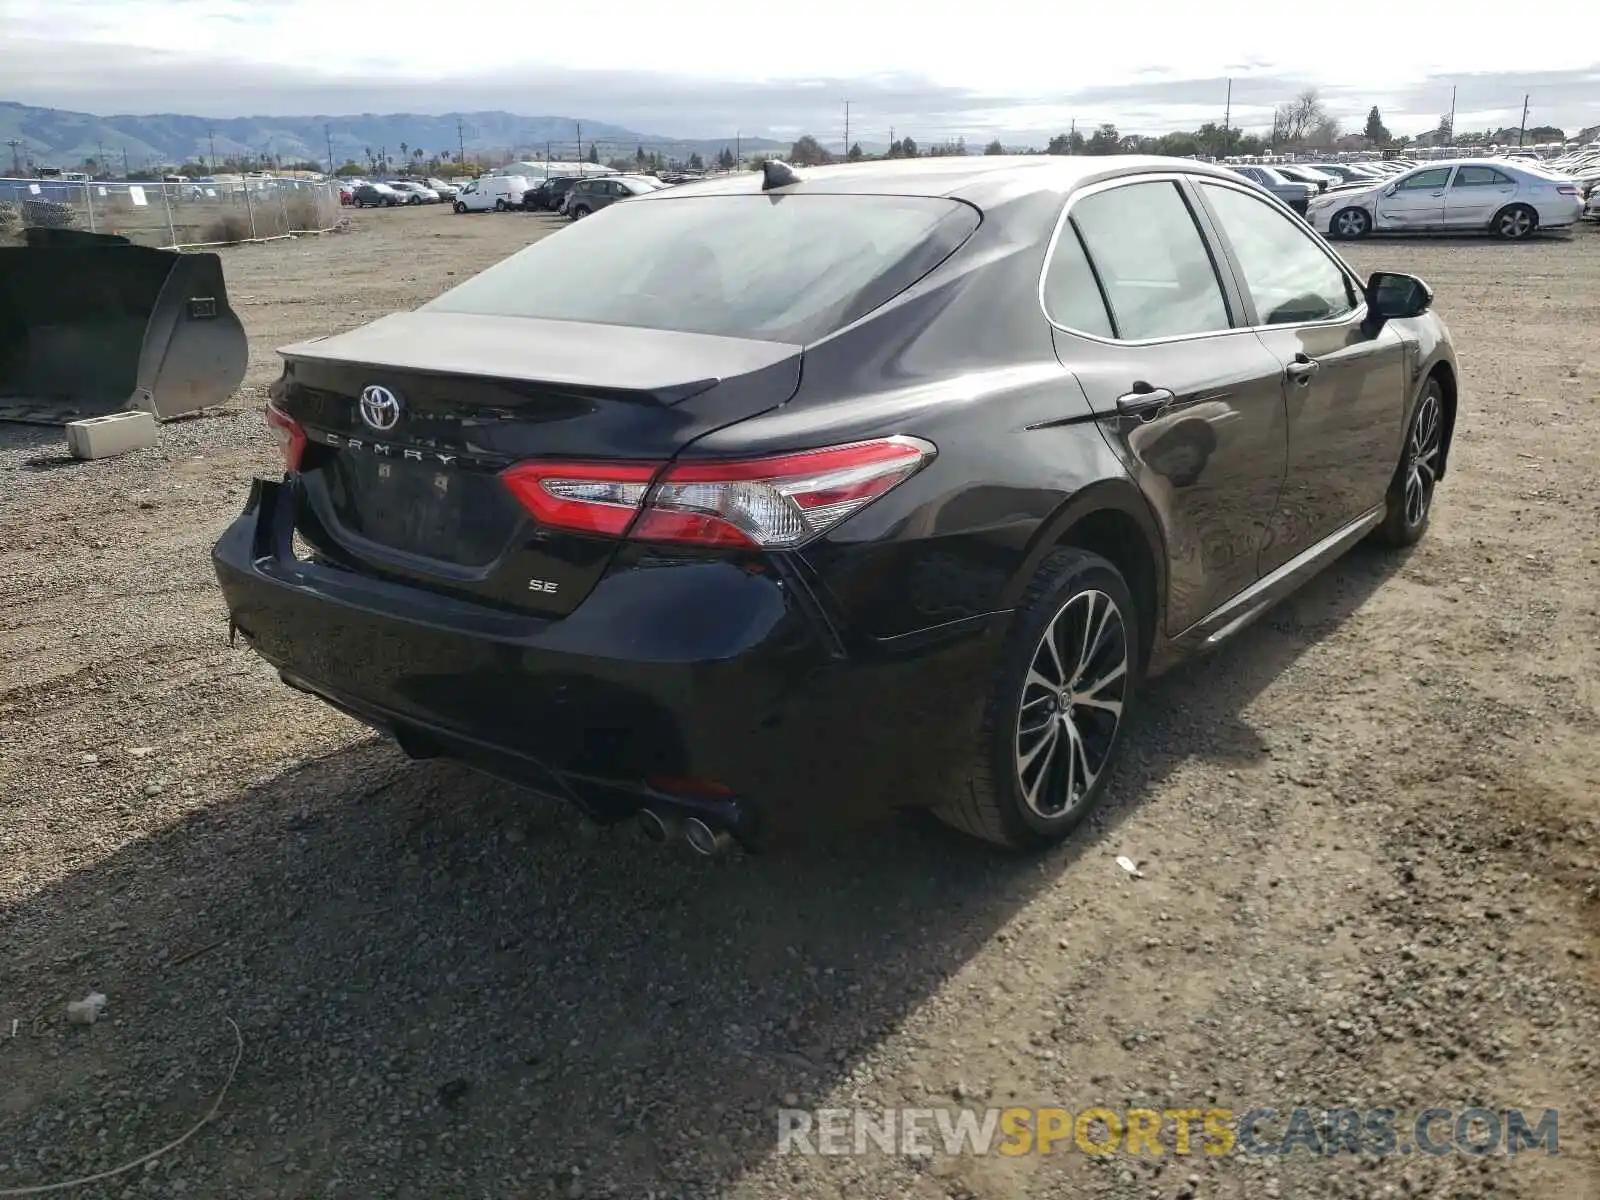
(980, 179)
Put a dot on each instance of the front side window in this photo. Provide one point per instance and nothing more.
(1289, 277)
(1153, 265)
(1479, 177)
(1429, 180)
(775, 268)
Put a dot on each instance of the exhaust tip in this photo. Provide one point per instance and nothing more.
(705, 840)
(656, 827)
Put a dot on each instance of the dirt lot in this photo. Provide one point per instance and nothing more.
(1369, 834)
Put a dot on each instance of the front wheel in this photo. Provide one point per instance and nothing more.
(1350, 224)
(579, 213)
(1515, 222)
(1409, 502)
(460, 207)
(1053, 722)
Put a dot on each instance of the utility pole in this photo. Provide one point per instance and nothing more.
(16, 155)
(327, 132)
(738, 148)
(1227, 121)
(579, 124)
(1524, 124)
(891, 141)
(1072, 137)
(461, 141)
(124, 162)
(1452, 113)
(211, 138)
(847, 129)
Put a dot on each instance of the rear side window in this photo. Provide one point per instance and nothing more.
(1072, 296)
(1479, 177)
(774, 268)
(1153, 265)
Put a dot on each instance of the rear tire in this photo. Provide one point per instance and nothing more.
(1409, 502)
(1058, 702)
(579, 213)
(1350, 224)
(1515, 222)
(499, 206)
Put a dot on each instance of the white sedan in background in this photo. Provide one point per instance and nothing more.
(1494, 195)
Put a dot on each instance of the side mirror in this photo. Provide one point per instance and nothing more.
(1392, 296)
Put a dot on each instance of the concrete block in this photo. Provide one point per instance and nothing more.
(116, 433)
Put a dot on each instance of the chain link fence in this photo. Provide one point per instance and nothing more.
(186, 215)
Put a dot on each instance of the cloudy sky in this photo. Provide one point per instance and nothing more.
(704, 68)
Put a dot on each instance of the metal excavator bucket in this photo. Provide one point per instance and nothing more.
(91, 324)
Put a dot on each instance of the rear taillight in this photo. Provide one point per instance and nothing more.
(290, 436)
(772, 503)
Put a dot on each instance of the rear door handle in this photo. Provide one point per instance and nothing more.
(1301, 369)
(1144, 402)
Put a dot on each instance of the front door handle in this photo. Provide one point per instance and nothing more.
(1301, 369)
(1144, 402)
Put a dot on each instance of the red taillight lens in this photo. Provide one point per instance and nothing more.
(769, 503)
(291, 438)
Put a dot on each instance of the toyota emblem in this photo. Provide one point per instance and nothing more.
(380, 408)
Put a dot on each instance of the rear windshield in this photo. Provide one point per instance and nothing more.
(774, 268)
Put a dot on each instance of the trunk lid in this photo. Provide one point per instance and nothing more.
(405, 485)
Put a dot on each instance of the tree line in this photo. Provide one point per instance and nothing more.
(1300, 125)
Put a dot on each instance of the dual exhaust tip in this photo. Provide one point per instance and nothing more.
(703, 839)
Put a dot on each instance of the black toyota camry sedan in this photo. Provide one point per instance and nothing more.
(801, 495)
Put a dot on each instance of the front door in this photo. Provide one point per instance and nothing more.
(1475, 195)
(1345, 383)
(1189, 399)
(1416, 201)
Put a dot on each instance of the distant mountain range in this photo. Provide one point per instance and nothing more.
(58, 138)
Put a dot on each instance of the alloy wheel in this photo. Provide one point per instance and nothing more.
(1071, 704)
(1422, 455)
(1351, 223)
(1516, 223)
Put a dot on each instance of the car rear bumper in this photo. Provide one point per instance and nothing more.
(690, 684)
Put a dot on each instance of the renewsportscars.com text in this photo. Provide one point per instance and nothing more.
(1261, 1131)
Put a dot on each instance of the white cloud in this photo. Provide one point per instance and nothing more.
(1028, 65)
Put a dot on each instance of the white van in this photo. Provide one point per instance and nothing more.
(499, 192)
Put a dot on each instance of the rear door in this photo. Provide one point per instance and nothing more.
(1345, 383)
(1190, 399)
(1476, 194)
(1416, 201)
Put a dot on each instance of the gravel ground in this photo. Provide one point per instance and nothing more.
(1369, 833)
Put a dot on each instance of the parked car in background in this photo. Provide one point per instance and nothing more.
(1362, 173)
(498, 192)
(1291, 191)
(547, 197)
(1496, 195)
(377, 195)
(773, 502)
(591, 195)
(414, 192)
(446, 191)
(1320, 180)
